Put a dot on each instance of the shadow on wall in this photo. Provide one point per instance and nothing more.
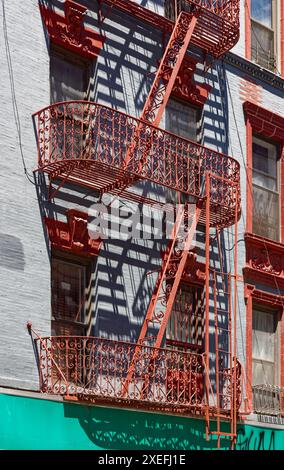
(11, 252)
(121, 286)
(215, 122)
(115, 429)
(126, 63)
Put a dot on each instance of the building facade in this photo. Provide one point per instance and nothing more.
(143, 112)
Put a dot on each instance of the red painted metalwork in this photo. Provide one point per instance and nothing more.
(185, 87)
(95, 146)
(72, 236)
(160, 92)
(168, 282)
(87, 144)
(69, 31)
(217, 29)
(89, 368)
(169, 67)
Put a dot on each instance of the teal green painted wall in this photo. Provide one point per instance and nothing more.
(259, 438)
(28, 423)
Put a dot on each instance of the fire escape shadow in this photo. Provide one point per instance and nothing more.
(117, 429)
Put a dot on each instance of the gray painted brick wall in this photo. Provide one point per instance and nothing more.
(122, 287)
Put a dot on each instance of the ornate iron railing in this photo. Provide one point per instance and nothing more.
(226, 9)
(97, 368)
(268, 400)
(217, 29)
(79, 132)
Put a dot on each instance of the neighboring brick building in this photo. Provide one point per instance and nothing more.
(82, 390)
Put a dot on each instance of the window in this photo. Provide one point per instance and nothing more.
(174, 7)
(69, 81)
(264, 347)
(68, 294)
(181, 119)
(263, 36)
(69, 76)
(266, 207)
(184, 330)
(184, 335)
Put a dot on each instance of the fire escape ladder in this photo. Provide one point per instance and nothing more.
(222, 387)
(157, 99)
(216, 391)
(163, 297)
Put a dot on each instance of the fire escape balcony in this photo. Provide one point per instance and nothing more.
(95, 146)
(217, 29)
(95, 369)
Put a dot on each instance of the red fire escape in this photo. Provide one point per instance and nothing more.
(95, 146)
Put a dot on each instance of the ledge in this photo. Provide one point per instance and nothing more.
(264, 260)
(254, 70)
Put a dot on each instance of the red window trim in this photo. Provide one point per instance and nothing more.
(269, 125)
(186, 89)
(259, 297)
(263, 269)
(248, 33)
(247, 30)
(68, 30)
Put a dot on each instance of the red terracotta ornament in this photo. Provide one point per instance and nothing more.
(69, 32)
(264, 261)
(73, 236)
(186, 88)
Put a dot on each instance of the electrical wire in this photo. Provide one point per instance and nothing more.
(13, 94)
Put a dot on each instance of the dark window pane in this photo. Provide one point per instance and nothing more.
(67, 290)
(184, 328)
(261, 10)
(67, 79)
(181, 119)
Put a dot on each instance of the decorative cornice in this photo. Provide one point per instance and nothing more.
(266, 298)
(254, 70)
(194, 272)
(73, 236)
(264, 261)
(186, 88)
(265, 122)
(68, 31)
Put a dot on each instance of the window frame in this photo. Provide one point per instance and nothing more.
(198, 118)
(86, 306)
(275, 29)
(190, 346)
(261, 299)
(74, 59)
(277, 345)
(259, 137)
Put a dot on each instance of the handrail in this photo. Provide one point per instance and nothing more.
(76, 131)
